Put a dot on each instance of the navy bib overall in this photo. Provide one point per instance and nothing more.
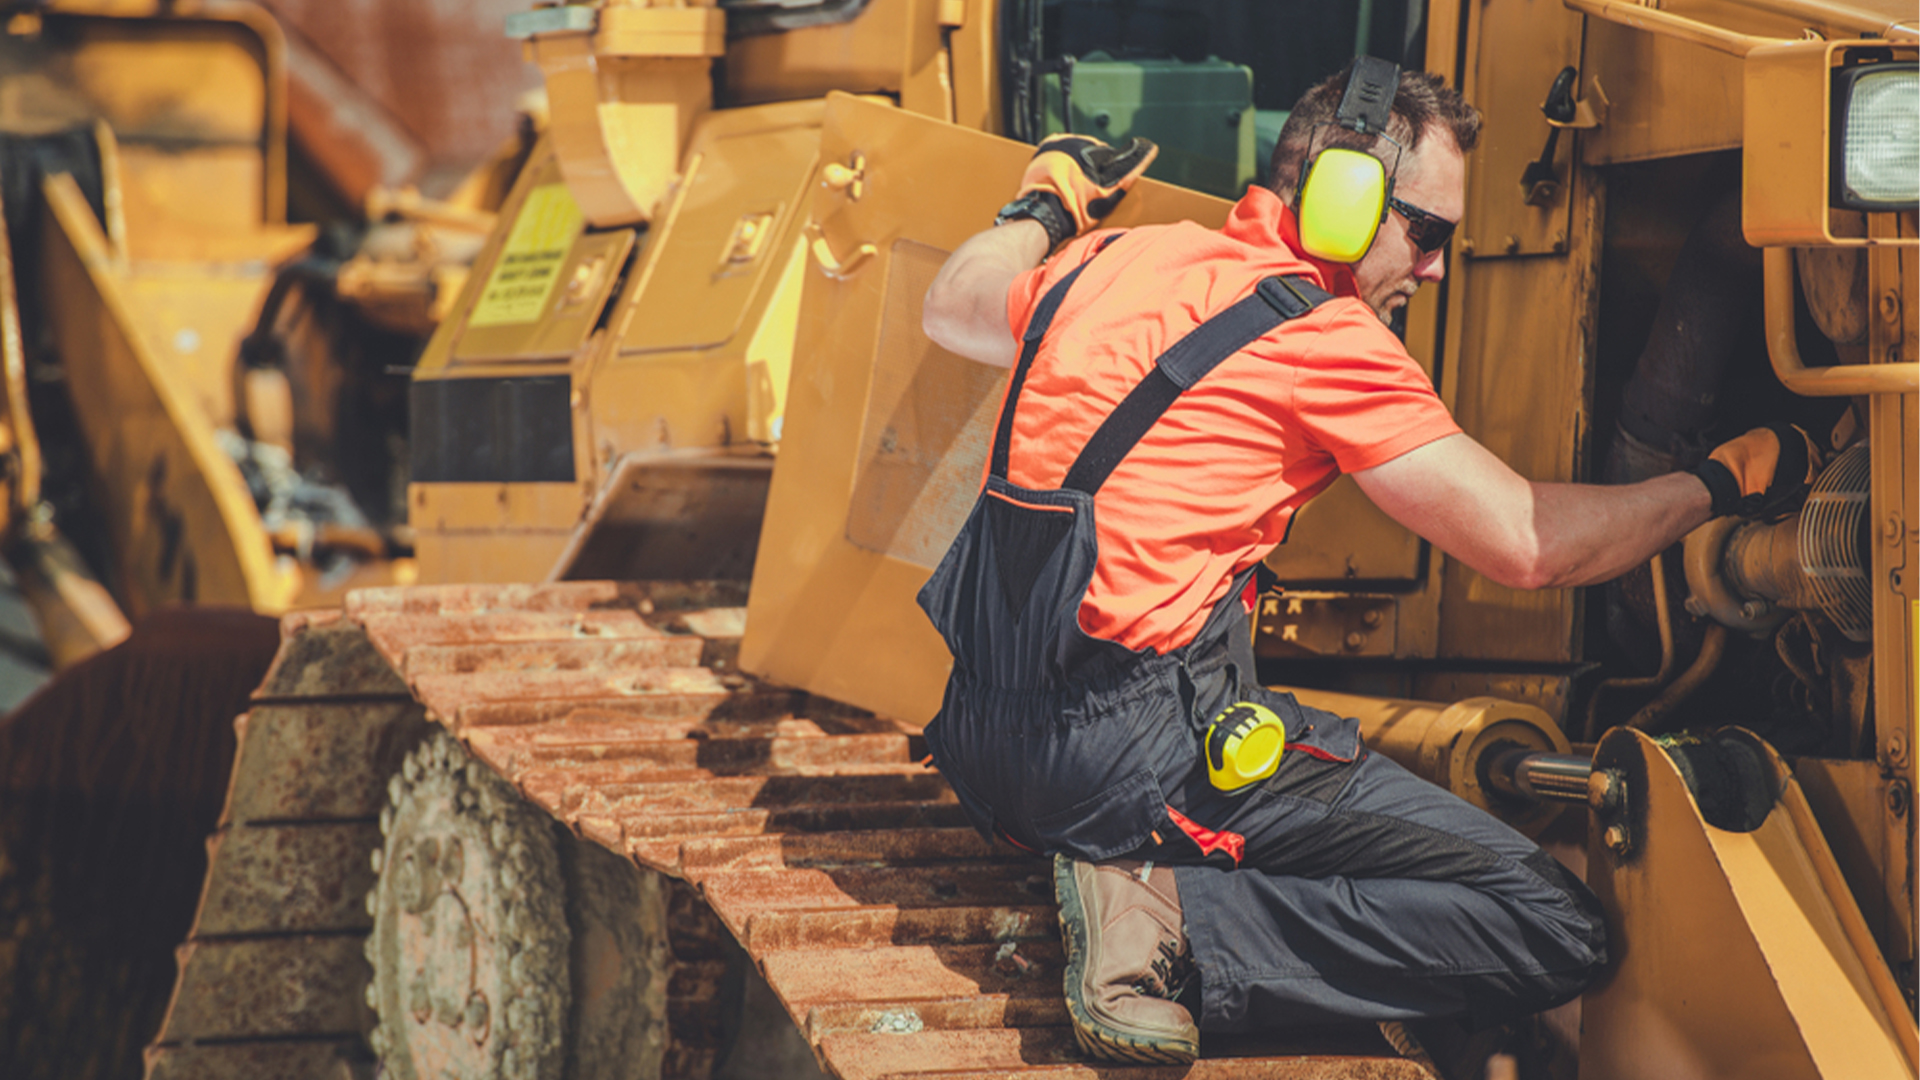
(1052, 738)
(1343, 887)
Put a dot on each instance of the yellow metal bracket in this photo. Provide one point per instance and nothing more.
(1783, 348)
(834, 265)
(626, 85)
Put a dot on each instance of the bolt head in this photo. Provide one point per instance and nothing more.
(1617, 839)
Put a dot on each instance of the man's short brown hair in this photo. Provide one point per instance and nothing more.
(1422, 102)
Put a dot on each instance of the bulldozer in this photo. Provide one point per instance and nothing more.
(637, 764)
(199, 406)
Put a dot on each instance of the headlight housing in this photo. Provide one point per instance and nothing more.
(1875, 155)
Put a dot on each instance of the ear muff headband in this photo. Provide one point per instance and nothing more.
(1342, 195)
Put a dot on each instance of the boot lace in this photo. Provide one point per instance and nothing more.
(1170, 972)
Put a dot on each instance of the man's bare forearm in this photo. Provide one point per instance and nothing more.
(1528, 534)
(966, 307)
(1592, 534)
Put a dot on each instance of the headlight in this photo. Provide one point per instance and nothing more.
(1876, 118)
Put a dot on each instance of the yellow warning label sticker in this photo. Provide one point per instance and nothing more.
(530, 264)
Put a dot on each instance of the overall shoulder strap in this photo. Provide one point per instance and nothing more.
(1029, 348)
(1274, 301)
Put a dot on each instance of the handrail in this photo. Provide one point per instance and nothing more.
(1841, 380)
(1858, 21)
(1641, 17)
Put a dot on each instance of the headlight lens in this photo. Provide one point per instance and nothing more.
(1880, 143)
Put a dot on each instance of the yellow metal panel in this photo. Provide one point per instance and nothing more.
(661, 31)
(1638, 77)
(181, 517)
(770, 353)
(698, 283)
(1862, 813)
(1520, 46)
(827, 613)
(488, 556)
(703, 331)
(182, 82)
(676, 400)
(974, 45)
(491, 532)
(1738, 953)
(198, 81)
(619, 123)
(865, 52)
(213, 188)
(1526, 331)
(190, 318)
(927, 83)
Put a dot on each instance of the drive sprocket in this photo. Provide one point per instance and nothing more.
(470, 939)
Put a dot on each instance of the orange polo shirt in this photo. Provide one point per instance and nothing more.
(1212, 487)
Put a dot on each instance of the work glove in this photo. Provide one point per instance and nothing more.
(1762, 474)
(1073, 181)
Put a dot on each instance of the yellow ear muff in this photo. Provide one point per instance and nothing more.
(1340, 204)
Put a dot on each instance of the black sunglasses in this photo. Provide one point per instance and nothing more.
(1429, 232)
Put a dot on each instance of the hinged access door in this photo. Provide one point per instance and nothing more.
(886, 434)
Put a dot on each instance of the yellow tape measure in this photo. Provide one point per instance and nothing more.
(1243, 746)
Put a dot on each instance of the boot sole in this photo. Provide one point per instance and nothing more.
(1098, 1039)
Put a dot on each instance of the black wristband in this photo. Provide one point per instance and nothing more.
(1044, 207)
(1722, 486)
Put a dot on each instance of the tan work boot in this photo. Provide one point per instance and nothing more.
(1127, 959)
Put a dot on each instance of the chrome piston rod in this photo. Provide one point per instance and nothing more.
(1529, 774)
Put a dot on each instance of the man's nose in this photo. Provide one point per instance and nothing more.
(1431, 267)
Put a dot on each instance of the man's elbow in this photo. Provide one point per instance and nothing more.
(1526, 570)
(943, 318)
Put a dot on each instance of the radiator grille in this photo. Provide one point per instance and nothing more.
(1835, 540)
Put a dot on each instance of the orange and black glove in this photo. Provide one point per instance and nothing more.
(1762, 474)
(1073, 181)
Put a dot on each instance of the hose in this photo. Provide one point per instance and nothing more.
(1663, 615)
(1652, 717)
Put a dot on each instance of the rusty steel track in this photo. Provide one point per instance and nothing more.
(901, 943)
